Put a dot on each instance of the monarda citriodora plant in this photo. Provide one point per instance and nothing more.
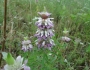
(45, 31)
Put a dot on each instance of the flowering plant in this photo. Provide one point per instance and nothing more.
(65, 38)
(45, 31)
(26, 44)
(13, 64)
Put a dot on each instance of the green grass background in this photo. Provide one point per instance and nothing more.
(74, 15)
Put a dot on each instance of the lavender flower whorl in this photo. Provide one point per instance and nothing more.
(45, 31)
(26, 45)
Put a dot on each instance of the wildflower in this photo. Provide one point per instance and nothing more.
(14, 64)
(65, 39)
(45, 31)
(18, 65)
(26, 45)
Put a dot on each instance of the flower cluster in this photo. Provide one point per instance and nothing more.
(26, 45)
(45, 31)
(13, 64)
(65, 38)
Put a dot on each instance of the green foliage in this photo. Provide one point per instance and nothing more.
(8, 58)
(73, 15)
(4, 55)
(88, 49)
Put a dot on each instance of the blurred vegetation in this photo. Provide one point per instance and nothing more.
(74, 15)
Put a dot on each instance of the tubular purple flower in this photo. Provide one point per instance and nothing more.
(49, 22)
(52, 42)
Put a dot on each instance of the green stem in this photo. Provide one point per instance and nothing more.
(4, 25)
(4, 29)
